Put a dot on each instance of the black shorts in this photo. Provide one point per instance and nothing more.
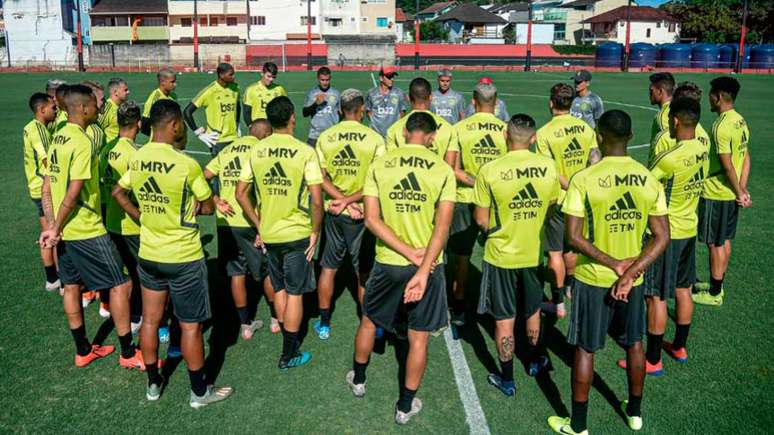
(384, 298)
(596, 314)
(288, 268)
(717, 221)
(238, 255)
(675, 268)
(343, 235)
(463, 231)
(553, 234)
(218, 147)
(39, 205)
(506, 293)
(95, 263)
(187, 285)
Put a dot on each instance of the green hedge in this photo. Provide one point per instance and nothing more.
(575, 49)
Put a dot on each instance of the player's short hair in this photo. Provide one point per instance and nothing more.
(279, 111)
(664, 81)
(164, 111)
(93, 84)
(686, 109)
(615, 123)
(421, 121)
(165, 72)
(54, 84)
(77, 94)
(420, 89)
(351, 100)
(223, 68)
(323, 71)
(115, 82)
(271, 67)
(562, 95)
(261, 122)
(485, 94)
(688, 90)
(38, 99)
(521, 127)
(129, 113)
(61, 90)
(726, 85)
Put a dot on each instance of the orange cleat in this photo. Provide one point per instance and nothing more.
(83, 361)
(102, 351)
(655, 370)
(87, 298)
(136, 362)
(679, 355)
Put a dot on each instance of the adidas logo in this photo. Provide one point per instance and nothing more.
(623, 208)
(527, 197)
(486, 146)
(696, 184)
(233, 168)
(698, 176)
(150, 191)
(574, 149)
(408, 189)
(346, 157)
(276, 176)
(54, 158)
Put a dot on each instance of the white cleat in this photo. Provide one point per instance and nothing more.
(358, 390)
(53, 286)
(404, 417)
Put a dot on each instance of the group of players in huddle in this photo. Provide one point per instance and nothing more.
(395, 200)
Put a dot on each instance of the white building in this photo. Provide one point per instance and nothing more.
(220, 21)
(35, 32)
(650, 25)
(279, 20)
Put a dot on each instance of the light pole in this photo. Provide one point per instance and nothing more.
(79, 35)
(528, 63)
(196, 35)
(308, 35)
(740, 58)
(625, 66)
(416, 36)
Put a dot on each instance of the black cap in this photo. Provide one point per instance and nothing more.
(581, 76)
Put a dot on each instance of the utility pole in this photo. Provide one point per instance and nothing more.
(247, 2)
(308, 35)
(79, 36)
(528, 64)
(625, 65)
(740, 58)
(7, 47)
(416, 36)
(196, 35)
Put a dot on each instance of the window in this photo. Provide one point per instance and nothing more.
(658, 25)
(381, 22)
(560, 32)
(213, 21)
(672, 27)
(303, 20)
(231, 21)
(335, 22)
(154, 21)
(202, 21)
(647, 33)
(259, 20)
(185, 22)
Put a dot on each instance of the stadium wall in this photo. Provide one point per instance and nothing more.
(129, 55)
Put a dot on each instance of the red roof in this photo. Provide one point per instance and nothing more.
(402, 17)
(639, 13)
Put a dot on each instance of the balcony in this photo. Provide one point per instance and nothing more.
(208, 7)
(124, 33)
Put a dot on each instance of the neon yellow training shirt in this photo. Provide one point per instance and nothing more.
(281, 168)
(614, 197)
(409, 181)
(660, 121)
(665, 142)
(220, 109)
(108, 120)
(167, 184)
(730, 135)
(118, 158)
(60, 121)
(257, 96)
(227, 166)
(517, 189)
(480, 139)
(154, 96)
(444, 137)
(36, 142)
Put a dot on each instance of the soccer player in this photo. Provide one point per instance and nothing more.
(662, 86)
(572, 144)
(409, 202)
(586, 105)
(87, 257)
(259, 94)
(118, 92)
(480, 139)
(513, 195)
(664, 140)
(608, 208)
(61, 109)
(321, 105)
(37, 139)
(167, 80)
(220, 100)
(725, 190)
(447, 103)
(286, 176)
(51, 87)
(385, 104)
(346, 151)
(171, 190)
(237, 252)
(501, 110)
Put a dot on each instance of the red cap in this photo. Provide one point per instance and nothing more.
(485, 81)
(389, 70)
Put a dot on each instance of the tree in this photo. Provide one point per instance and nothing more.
(720, 21)
(509, 33)
(431, 31)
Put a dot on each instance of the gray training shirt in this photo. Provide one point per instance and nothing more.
(448, 106)
(385, 109)
(588, 108)
(501, 112)
(327, 114)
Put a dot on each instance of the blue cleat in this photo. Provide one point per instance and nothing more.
(506, 387)
(379, 332)
(537, 366)
(174, 352)
(323, 332)
(164, 334)
(298, 360)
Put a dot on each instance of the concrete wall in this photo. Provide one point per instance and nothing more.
(35, 32)
(361, 52)
(130, 55)
(208, 53)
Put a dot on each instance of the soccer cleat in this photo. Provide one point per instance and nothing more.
(135, 362)
(705, 298)
(212, 395)
(102, 351)
(561, 310)
(537, 366)
(634, 423)
(506, 387)
(153, 391)
(174, 352)
(87, 298)
(104, 310)
(53, 286)
(323, 332)
(679, 355)
(83, 361)
(404, 417)
(135, 326)
(655, 370)
(358, 390)
(298, 360)
(379, 332)
(247, 331)
(275, 326)
(458, 319)
(562, 425)
(701, 286)
(164, 334)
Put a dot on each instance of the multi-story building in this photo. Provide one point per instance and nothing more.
(220, 21)
(377, 16)
(649, 25)
(138, 21)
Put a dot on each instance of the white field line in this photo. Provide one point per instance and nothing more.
(474, 414)
(373, 79)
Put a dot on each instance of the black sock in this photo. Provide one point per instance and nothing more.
(175, 333)
(569, 281)
(715, 286)
(653, 351)
(578, 419)
(288, 344)
(458, 306)
(360, 371)
(244, 315)
(681, 336)
(557, 294)
(153, 374)
(197, 382)
(633, 407)
(506, 368)
(272, 311)
(82, 345)
(104, 330)
(325, 317)
(405, 400)
(532, 352)
(127, 348)
(51, 275)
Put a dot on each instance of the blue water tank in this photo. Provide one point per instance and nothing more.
(762, 56)
(609, 54)
(643, 55)
(674, 56)
(705, 55)
(727, 55)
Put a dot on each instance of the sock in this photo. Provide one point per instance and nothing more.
(715, 286)
(175, 333)
(653, 351)
(104, 330)
(197, 382)
(569, 281)
(153, 374)
(82, 346)
(127, 348)
(406, 397)
(272, 311)
(458, 306)
(325, 317)
(288, 344)
(244, 315)
(506, 369)
(633, 407)
(557, 295)
(360, 371)
(532, 352)
(681, 336)
(51, 275)
(579, 412)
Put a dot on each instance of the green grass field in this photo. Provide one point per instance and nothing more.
(727, 387)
